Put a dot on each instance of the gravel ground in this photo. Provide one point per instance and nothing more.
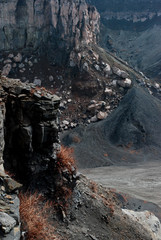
(142, 181)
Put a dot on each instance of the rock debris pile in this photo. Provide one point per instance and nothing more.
(9, 208)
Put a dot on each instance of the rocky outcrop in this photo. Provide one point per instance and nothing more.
(9, 208)
(29, 128)
(51, 27)
(29, 144)
(29, 136)
(30, 150)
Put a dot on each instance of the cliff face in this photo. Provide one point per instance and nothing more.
(47, 25)
(29, 130)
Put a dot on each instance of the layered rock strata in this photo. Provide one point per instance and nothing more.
(47, 26)
(31, 129)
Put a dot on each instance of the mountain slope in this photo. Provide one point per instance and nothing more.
(130, 134)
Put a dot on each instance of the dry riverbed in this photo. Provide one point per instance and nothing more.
(142, 181)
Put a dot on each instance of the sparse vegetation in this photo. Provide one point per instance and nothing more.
(67, 168)
(34, 218)
(65, 160)
(93, 186)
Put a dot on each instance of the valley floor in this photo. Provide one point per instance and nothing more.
(142, 181)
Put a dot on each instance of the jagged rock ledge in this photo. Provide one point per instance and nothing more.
(29, 118)
(28, 147)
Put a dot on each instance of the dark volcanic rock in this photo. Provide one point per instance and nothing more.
(131, 133)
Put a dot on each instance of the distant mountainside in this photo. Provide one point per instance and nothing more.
(117, 5)
(132, 30)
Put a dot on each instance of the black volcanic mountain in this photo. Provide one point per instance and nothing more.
(130, 134)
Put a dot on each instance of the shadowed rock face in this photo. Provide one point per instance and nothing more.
(47, 25)
(29, 131)
(130, 134)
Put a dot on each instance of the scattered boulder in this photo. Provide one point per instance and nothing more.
(6, 69)
(73, 125)
(30, 63)
(37, 82)
(11, 185)
(72, 63)
(62, 106)
(85, 66)
(116, 71)
(124, 74)
(108, 91)
(7, 222)
(92, 107)
(127, 83)
(65, 123)
(18, 58)
(93, 119)
(97, 67)
(120, 73)
(101, 115)
(148, 220)
(114, 83)
(7, 61)
(107, 70)
(35, 60)
(157, 86)
(21, 65)
(51, 78)
(10, 55)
